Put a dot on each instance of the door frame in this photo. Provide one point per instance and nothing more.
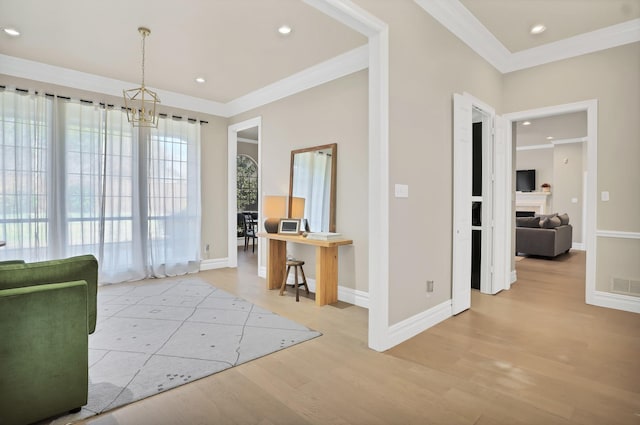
(232, 189)
(591, 189)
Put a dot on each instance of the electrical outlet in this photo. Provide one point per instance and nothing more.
(429, 285)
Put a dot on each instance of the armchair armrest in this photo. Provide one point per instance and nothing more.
(84, 267)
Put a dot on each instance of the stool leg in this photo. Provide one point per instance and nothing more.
(284, 282)
(295, 272)
(304, 280)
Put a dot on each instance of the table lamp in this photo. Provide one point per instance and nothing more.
(273, 208)
(297, 210)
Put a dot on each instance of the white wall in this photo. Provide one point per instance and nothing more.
(567, 186)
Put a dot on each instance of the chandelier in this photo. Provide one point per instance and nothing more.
(141, 102)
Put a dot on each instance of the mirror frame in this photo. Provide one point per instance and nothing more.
(334, 166)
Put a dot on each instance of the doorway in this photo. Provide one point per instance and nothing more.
(503, 239)
(590, 181)
(244, 142)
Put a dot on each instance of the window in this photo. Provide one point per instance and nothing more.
(131, 197)
(247, 182)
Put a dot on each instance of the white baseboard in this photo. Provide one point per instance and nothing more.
(353, 296)
(262, 272)
(514, 276)
(214, 263)
(579, 246)
(348, 295)
(412, 326)
(617, 301)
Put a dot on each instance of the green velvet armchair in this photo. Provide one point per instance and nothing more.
(47, 311)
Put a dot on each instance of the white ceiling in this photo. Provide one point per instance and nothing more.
(234, 43)
(561, 127)
(510, 20)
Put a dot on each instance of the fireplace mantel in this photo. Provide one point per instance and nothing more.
(533, 201)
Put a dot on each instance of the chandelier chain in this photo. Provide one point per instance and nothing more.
(144, 35)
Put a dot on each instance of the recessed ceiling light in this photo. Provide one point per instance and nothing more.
(537, 29)
(284, 30)
(200, 80)
(526, 123)
(549, 137)
(11, 31)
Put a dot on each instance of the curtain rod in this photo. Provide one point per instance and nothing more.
(108, 105)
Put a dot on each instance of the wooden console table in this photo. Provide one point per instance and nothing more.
(326, 263)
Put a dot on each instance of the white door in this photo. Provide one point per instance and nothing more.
(462, 181)
(502, 205)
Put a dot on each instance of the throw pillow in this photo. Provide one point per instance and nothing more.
(528, 221)
(550, 222)
(564, 218)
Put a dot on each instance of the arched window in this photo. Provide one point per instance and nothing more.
(247, 183)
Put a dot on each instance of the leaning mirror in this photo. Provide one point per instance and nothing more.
(313, 178)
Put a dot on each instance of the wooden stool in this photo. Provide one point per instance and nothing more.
(295, 264)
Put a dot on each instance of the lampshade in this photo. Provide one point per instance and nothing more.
(273, 209)
(297, 207)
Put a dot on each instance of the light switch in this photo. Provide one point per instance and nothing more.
(402, 191)
(574, 200)
(604, 196)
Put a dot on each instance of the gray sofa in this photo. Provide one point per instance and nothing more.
(545, 235)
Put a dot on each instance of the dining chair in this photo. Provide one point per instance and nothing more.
(245, 221)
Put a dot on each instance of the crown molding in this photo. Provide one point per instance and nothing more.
(457, 19)
(534, 147)
(245, 140)
(38, 71)
(570, 141)
(463, 24)
(552, 144)
(349, 14)
(339, 66)
(590, 42)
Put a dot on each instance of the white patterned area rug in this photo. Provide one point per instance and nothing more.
(154, 336)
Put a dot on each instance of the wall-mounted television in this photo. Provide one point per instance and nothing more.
(526, 180)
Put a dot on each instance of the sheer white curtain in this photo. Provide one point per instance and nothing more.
(25, 162)
(76, 178)
(311, 172)
(173, 185)
(99, 176)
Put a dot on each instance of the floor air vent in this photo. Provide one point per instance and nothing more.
(625, 286)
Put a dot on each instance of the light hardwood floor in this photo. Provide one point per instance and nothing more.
(536, 354)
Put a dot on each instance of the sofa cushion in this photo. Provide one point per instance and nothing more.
(564, 218)
(528, 221)
(550, 222)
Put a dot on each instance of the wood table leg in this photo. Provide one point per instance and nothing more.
(276, 263)
(326, 275)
